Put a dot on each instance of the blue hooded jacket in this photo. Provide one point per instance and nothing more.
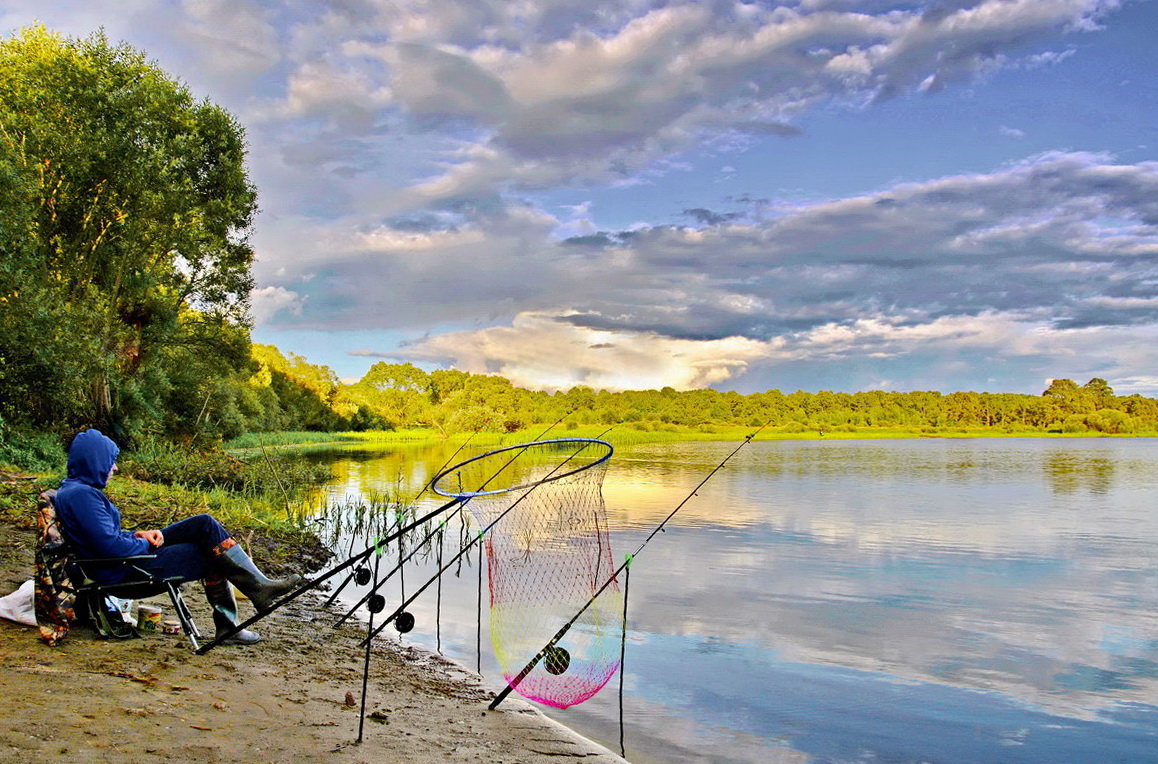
(92, 523)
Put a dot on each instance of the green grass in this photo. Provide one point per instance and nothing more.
(257, 440)
(260, 439)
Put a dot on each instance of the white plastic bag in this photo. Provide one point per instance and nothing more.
(19, 605)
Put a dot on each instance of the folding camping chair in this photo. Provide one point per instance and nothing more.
(92, 598)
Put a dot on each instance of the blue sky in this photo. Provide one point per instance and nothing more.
(822, 194)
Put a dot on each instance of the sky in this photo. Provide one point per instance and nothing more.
(818, 195)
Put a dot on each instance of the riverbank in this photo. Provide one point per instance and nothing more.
(293, 697)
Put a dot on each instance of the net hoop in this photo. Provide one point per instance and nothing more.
(434, 484)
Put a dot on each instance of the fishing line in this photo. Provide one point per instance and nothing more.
(550, 646)
(587, 442)
(366, 658)
(623, 652)
(438, 599)
(478, 613)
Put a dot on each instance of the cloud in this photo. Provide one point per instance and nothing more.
(236, 38)
(534, 95)
(267, 302)
(592, 103)
(538, 351)
(1022, 262)
(1070, 235)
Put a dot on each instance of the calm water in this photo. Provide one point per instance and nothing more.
(925, 600)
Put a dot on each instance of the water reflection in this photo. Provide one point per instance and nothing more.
(944, 600)
(1068, 473)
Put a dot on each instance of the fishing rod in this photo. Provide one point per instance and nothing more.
(549, 650)
(345, 565)
(482, 533)
(402, 561)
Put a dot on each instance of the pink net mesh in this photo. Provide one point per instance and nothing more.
(546, 558)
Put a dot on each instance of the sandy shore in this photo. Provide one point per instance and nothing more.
(291, 698)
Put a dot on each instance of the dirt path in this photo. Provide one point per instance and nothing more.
(287, 699)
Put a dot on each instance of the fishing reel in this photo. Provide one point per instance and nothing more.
(556, 660)
(404, 622)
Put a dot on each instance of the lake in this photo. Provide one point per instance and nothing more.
(902, 600)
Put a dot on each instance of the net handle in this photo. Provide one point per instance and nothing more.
(554, 441)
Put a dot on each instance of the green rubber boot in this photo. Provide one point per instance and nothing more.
(220, 596)
(236, 566)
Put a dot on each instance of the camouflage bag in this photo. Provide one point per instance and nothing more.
(55, 596)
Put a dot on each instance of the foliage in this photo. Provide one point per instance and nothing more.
(276, 475)
(124, 220)
(454, 402)
(35, 451)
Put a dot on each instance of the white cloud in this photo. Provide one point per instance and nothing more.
(539, 351)
(267, 302)
(237, 38)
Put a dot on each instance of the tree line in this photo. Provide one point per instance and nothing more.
(403, 395)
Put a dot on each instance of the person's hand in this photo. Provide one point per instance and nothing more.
(153, 537)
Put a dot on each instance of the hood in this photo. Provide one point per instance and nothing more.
(90, 457)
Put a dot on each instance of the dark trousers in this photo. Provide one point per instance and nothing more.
(188, 548)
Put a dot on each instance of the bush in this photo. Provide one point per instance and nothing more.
(265, 473)
(1074, 423)
(1111, 422)
(32, 451)
(159, 461)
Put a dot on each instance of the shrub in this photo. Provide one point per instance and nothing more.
(33, 451)
(1111, 421)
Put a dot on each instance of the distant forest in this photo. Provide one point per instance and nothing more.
(402, 395)
(126, 268)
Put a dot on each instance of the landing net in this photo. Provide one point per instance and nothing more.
(546, 557)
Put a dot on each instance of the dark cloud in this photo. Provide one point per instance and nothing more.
(421, 222)
(758, 127)
(598, 240)
(707, 217)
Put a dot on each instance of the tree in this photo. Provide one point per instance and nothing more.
(1100, 390)
(125, 219)
(1061, 388)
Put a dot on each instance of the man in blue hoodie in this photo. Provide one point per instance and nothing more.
(195, 548)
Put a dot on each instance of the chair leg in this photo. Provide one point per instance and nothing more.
(183, 614)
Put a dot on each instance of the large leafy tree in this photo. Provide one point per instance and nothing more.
(125, 211)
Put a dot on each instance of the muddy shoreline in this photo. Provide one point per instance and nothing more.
(292, 697)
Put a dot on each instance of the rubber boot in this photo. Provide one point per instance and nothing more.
(220, 596)
(236, 566)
